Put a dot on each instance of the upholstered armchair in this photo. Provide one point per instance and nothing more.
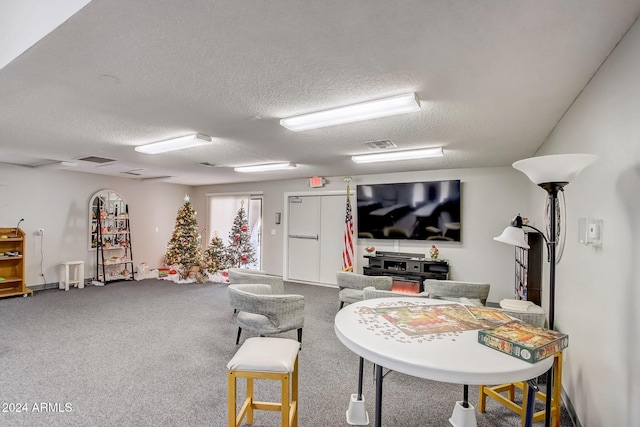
(370, 292)
(352, 284)
(238, 276)
(453, 290)
(265, 313)
(524, 310)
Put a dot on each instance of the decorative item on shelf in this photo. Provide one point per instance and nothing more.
(371, 250)
(434, 252)
(125, 272)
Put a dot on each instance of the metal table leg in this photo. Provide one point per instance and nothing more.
(379, 377)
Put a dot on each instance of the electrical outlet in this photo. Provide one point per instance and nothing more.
(40, 231)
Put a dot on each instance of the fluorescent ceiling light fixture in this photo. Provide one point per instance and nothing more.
(189, 141)
(266, 167)
(391, 156)
(399, 104)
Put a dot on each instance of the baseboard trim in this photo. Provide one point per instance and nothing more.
(570, 409)
(53, 285)
(44, 286)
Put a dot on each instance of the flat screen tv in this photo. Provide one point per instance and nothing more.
(427, 210)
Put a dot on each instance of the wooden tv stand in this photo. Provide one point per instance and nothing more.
(406, 267)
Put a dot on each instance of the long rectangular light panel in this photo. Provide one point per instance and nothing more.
(400, 104)
(266, 167)
(189, 141)
(398, 155)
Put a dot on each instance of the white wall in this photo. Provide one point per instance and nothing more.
(58, 202)
(491, 197)
(598, 290)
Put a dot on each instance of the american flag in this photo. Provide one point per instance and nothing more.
(347, 251)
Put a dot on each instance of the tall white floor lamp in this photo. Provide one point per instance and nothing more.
(552, 173)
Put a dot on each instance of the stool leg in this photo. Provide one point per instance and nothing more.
(250, 396)
(81, 278)
(285, 401)
(231, 399)
(557, 389)
(66, 278)
(61, 277)
(482, 399)
(294, 393)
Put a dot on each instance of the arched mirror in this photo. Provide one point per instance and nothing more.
(104, 204)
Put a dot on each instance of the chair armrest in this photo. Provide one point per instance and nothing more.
(360, 281)
(254, 288)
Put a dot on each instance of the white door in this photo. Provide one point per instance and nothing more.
(332, 224)
(304, 235)
(316, 227)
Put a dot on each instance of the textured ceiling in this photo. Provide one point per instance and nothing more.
(493, 77)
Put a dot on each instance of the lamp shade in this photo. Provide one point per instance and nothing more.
(557, 168)
(512, 236)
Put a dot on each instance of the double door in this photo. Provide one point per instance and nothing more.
(315, 237)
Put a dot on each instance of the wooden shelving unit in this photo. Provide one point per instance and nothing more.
(111, 236)
(528, 274)
(12, 263)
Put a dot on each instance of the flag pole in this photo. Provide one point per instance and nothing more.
(348, 254)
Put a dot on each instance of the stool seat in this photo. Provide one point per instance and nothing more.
(263, 354)
(268, 359)
(66, 279)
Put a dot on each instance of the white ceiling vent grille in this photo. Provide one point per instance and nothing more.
(382, 144)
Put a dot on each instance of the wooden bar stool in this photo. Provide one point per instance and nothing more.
(269, 359)
(495, 393)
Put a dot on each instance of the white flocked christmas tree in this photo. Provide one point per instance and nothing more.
(240, 250)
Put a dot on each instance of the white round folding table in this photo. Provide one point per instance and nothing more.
(370, 329)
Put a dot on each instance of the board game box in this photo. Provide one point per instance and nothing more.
(524, 341)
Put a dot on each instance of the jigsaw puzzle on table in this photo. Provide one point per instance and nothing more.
(416, 320)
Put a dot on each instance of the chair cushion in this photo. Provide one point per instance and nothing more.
(260, 354)
(256, 323)
(350, 295)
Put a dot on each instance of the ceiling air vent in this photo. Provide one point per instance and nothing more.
(131, 173)
(209, 164)
(96, 159)
(379, 145)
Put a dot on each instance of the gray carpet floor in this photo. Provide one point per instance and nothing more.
(154, 353)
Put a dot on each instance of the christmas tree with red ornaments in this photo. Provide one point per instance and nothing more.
(240, 250)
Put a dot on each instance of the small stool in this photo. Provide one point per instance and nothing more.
(269, 359)
(495, 393)
(78, 275)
